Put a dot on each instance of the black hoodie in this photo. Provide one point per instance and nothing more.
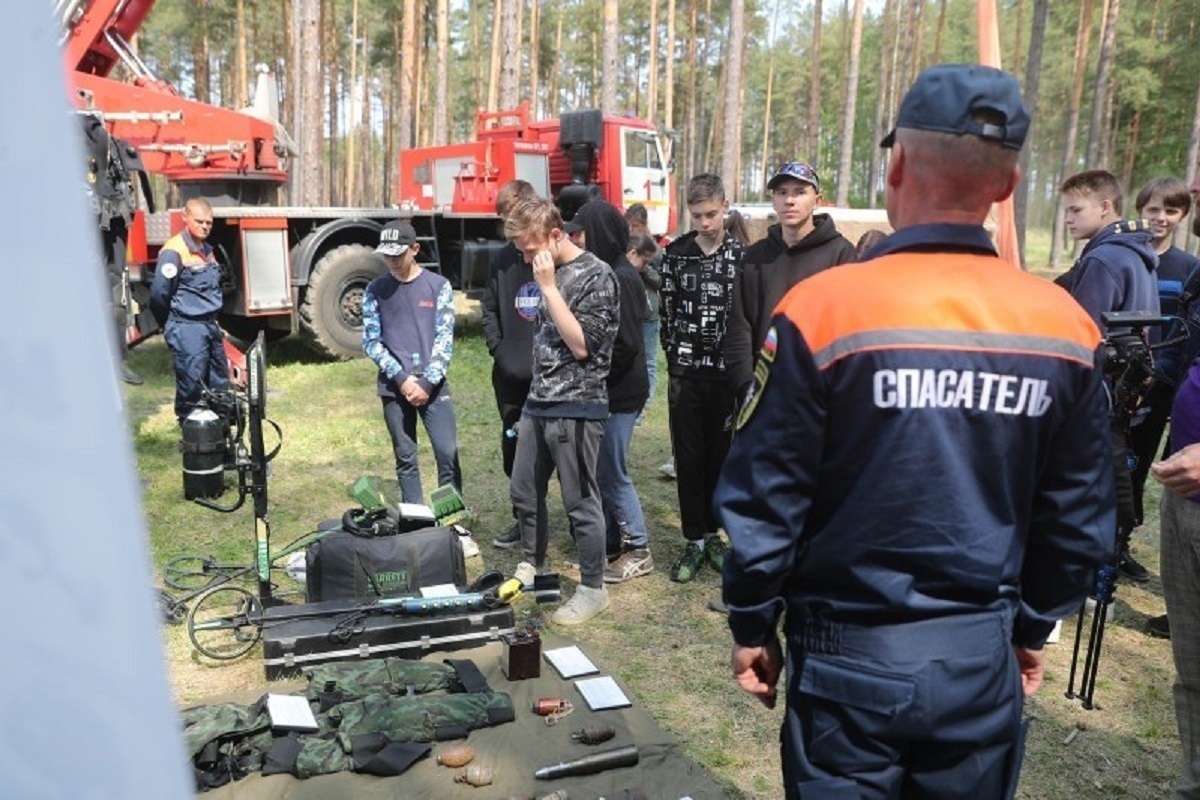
(769, 270)
(607, 235)
(510, 304)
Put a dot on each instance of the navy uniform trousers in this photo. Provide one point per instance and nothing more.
(926, 710)
(198, 349)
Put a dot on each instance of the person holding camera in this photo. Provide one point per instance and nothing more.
(919, 478)
(1115, 272)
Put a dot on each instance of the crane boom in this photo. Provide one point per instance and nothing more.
(218, 151)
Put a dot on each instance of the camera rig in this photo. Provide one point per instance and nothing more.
(1128, 364)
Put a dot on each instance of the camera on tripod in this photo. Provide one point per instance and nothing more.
(1128, 360)
(226, 435)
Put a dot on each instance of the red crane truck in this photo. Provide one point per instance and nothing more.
(292, 269)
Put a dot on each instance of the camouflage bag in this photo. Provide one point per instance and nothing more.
(226, 741)
(351, 680)
(400, 720)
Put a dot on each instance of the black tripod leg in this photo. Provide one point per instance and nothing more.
(1075, 650)
(1098, 638)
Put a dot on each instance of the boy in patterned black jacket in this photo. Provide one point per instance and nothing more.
(698, 274)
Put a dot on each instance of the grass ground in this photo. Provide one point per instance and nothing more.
(659, 637)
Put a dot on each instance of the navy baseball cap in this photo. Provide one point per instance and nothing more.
(395, 238)
(798, 170)
(945, 97)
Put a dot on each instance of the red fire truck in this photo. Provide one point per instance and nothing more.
(291, 269)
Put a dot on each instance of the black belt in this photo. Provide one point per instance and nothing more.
(921, 640)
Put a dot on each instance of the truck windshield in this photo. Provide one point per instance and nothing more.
(641, 150)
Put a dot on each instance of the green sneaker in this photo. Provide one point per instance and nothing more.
(714, 550)
(685, 569)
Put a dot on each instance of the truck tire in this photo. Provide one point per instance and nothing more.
(332, 308)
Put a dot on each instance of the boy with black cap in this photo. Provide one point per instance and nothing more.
(408, 331)
(919, 478)
(800, 245)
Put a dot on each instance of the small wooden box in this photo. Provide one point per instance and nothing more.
(522, 656)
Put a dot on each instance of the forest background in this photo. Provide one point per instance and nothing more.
(744, 84)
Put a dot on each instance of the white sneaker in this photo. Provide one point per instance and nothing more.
(583, 605)
(469, 547)
(1055, 634)
(667, 470)
(525, 573)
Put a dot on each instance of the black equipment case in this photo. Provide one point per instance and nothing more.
(337, 631)
(347, 566)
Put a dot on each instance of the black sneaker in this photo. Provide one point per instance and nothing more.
(509, 539)
(1159, 627)
(718, 605)
(1132, 569)
(131, 377)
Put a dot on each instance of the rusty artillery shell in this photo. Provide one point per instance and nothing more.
(458, 755)
(549, 705)
(475, 775)
(595, 733)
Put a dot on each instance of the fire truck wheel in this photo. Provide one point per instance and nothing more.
(332, 308)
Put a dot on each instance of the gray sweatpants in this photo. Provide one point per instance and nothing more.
(570, 446)
(1180, 558)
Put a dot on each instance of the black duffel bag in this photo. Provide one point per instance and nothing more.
(348, 565)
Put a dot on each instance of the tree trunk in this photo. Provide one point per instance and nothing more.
(1033, 79)
(669, 79)
(843, 181)
(493, 92)
(692, 121)
(608, 58)
(941, 29)
(307, 183)
(367, 196)
(510, 57)
(718, 110)
(730, 139)
(1101, 88)
(287, 51)
(812, 124)
(882, 120)
(407, 76)
(534, 56)
(351, 164)
(652, 66)
(441, 94)
(242, 77)
(555, 101)
(764, 164)
(200, 54)
(1083, 37)
(420, 82)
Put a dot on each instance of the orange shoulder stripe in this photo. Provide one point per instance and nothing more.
(938, 300)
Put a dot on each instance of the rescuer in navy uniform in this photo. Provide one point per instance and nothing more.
(920, 478)
(185, 298)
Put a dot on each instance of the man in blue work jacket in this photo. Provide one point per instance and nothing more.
(920, 478)
(185, 298)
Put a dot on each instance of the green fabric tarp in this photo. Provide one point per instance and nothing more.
(513, 750)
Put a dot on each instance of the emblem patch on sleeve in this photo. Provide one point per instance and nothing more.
(762, 371)
(169, 270)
